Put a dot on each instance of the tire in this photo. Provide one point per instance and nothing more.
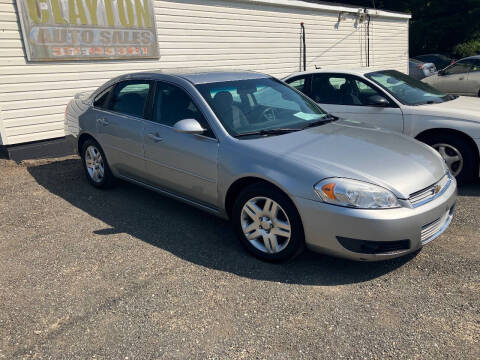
(449, 144)
(270, 239)
(95, 165)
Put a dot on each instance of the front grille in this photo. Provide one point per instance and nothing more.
(428, 194)
(433, 229)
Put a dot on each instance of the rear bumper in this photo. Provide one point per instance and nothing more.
(372, 235)
(73, 142)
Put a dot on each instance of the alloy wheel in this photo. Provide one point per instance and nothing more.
(94, 164)
(452, 156)
(266, 225)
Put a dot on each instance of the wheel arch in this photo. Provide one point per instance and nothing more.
(424, 135)
(81, 140)
(241, 183)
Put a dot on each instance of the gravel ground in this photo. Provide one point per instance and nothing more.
(127, 273)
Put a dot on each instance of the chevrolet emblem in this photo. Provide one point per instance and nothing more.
(437, 189)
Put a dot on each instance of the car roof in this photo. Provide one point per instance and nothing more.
(197, 76)
(472, 57)
(436, 55)
(353, 71)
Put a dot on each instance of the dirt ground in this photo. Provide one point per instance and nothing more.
(127, 273)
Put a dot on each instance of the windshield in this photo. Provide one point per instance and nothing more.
(408, 90)
(259, 106)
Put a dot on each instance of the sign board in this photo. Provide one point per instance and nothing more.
(64, 30)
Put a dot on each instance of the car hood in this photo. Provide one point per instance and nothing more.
(462, 108)
(345, 149)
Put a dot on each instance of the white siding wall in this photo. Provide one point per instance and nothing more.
(192, 34)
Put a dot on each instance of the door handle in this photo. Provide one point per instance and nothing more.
(155, 137)
(103, 121)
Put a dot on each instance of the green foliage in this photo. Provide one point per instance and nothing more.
(437, 26)
(468, 48)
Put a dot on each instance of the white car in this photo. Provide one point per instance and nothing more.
(394, 101)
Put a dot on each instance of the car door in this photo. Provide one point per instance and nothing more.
(183, 164)
(473, 80)
(347, 96)
(453, 79)
(120, 127)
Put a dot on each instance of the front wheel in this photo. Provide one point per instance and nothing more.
(267, 223)
(458, 154)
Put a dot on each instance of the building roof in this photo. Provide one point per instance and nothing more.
(330, 6)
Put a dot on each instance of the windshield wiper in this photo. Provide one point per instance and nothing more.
(264, 132)
(279, 131)
(446, 98)
(325, 120)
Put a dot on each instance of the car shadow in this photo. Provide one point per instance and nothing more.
(191, 234)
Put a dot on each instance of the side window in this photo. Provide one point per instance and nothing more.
(337, 82)
(172, 104)
(326, 88)
(298, 83)
(129, 97)
(458, 68)
(348, 92)
(475, 65)
(337, 89)
(100, 100)
(363, 92)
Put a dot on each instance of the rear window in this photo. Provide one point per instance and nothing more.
(100, 100)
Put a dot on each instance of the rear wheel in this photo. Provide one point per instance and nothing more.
(95, 165)
(267, 223)
(458, 154)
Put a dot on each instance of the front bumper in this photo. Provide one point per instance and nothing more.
(477, 141)
(327, 227)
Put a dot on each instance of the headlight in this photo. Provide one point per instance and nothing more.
(354, 193)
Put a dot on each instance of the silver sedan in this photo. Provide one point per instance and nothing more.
(246, 146)
(460, 78)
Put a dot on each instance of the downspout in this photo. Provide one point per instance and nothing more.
(304, 47)
(368, 40)
(365, 11)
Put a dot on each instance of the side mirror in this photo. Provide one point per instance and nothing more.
(188, 126)
(378, 100)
